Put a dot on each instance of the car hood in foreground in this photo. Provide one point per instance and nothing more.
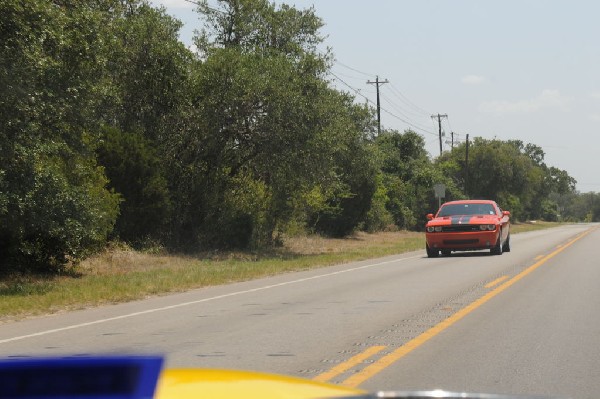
(232, 384)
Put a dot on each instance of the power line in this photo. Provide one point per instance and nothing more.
(413, 109)
(448, 121)
(358, 93)
(403, 110)
(416, 110)
(403, 98)
(350, 76)
(353, 69)
(407, 122)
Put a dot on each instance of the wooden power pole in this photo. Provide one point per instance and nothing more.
(439, 119)
(378, 83)
(467, 168)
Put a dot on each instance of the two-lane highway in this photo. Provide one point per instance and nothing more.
(523, 322)
(541, 335)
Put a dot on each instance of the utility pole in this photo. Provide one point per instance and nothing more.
(439, 119)
(467, 168)
(378, 83)
(452, 134)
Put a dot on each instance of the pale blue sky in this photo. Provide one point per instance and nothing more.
(511, 69)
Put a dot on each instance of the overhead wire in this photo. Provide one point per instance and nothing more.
(353, 69)
(406, 115)
(349, 76)
(415, 112)
(407, 122)
(357, 92)
(455, 138)
(401, 110)
(403, 98)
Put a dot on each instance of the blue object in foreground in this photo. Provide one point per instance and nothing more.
(89, 377)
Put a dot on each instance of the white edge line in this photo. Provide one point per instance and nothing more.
(179, 305)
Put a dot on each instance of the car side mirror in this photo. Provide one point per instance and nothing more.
(430, 216)
(506, 213)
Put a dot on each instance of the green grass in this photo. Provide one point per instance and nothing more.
(121, 274)
(532, 226)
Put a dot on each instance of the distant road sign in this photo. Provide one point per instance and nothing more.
(440, 190)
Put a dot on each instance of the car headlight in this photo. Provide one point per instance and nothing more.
(430, 229)
(490, 227)
(438, 229)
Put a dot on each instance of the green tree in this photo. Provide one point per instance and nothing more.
(134, 170)
(578, 207)
(509, 172)
(379, 218)
(262, 113)
(54, 204)
(146, 73)
(260, 27)
(350, 155)
(409, 176)
(544, 181)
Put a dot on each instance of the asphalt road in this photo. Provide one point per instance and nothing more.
(526, 322)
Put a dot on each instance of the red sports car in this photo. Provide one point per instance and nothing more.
(468, 225)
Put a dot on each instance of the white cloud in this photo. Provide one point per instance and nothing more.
(547, 99)
(473, 80)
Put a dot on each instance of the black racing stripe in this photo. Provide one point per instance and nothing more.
(461, 219)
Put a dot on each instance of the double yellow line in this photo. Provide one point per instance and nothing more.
(387, 360)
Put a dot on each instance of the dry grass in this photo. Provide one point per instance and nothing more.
(123, 260)
(311, 245)
(118, 260)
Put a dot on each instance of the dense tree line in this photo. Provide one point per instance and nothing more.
(110, 128)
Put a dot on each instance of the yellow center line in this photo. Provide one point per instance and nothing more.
(389, 359)
(495, 282)
(539, 257)
(348, 364)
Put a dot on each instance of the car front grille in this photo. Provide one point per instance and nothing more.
(461, 242)
(453, 228)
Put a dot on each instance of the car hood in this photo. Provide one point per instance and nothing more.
(232, 384)
(463, 219)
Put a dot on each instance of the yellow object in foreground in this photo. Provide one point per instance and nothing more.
(228, 384)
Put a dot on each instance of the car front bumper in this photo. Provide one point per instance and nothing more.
(462, 241)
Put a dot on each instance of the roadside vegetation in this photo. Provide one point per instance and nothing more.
(112, 131)
(121, 273)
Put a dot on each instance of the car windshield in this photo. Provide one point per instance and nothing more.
(466, 209)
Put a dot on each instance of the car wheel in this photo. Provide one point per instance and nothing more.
(497, 250)
(506, 247)
(431, 253)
